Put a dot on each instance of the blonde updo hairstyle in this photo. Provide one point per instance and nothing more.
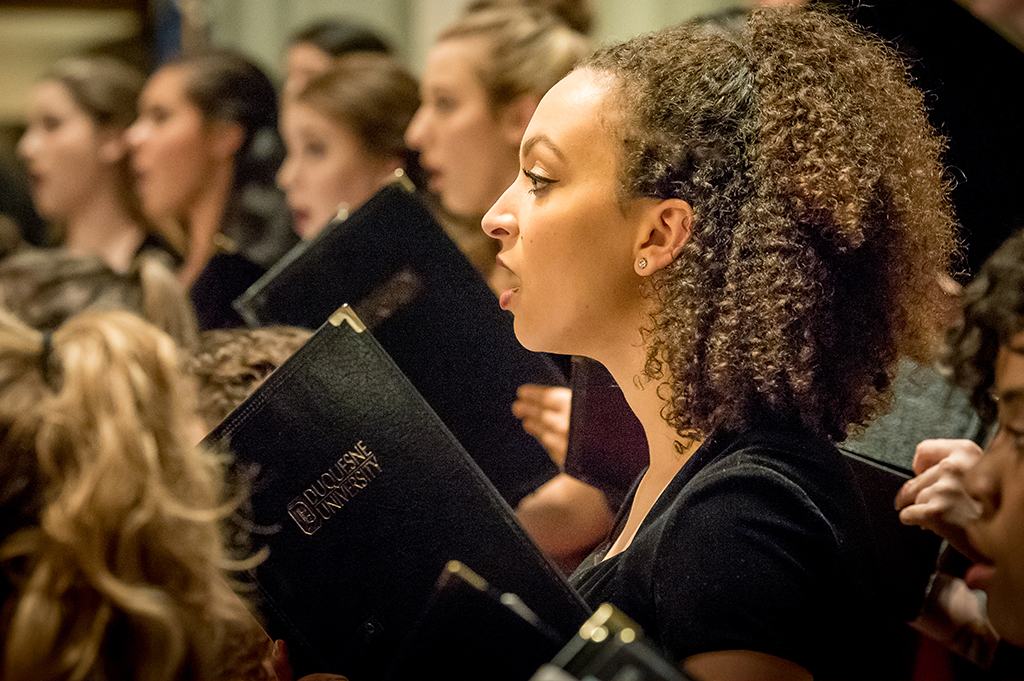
(529, 49)
(112, 548)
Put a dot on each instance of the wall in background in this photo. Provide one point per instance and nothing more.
(262, 28)
(32, 39)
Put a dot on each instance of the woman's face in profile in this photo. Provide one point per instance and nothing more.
(61, 149)
(171, 150)
(467, 149)
(326, 168)
(566, 241)
(997, 481)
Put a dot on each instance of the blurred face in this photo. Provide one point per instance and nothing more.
(468, 149)
(326, 168)
(303, 62)
(171, 146)
(565, 240)
(61, 149)
(997, 481)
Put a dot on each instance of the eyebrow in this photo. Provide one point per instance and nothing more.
(529, 144)
(1011, 395)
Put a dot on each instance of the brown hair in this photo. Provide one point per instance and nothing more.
(231, 363)
(577, 14)
(528, 50)
(45, 287)
(116, 556)
(370, 94)
(226, 85)
(993, 314)
(821, 216)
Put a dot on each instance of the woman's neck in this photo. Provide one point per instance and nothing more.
(204, 220)
(103, 226)
(666, 458)
(644, 400)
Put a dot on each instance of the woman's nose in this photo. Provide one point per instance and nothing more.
(501, 221)
(26, 145)
(133, 134)
(414, 133)
(285, 174)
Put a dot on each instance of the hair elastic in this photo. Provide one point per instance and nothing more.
(45, 351)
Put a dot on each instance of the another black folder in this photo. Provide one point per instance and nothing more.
(908, 553)
(432, 312)
(471, 630)
(369, 496)
(607, 446)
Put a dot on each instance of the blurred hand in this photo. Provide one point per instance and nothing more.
(544, 411)
(936, 499)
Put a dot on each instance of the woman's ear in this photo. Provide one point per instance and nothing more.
(225, 138)
(515, 116)
(113, 145)
(666, 227)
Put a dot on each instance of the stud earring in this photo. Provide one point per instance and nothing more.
(342, 213)
(642, 263)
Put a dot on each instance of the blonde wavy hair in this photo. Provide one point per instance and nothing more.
(112, 541)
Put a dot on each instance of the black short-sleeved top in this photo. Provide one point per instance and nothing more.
(225, 277)
(760, 542)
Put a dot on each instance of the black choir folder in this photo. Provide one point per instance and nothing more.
(369, 496)
(432, 312)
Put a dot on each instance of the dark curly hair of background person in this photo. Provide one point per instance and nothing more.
(993, 314)
(231, 363)
(821, 217)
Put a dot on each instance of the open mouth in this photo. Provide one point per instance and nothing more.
(300, 218)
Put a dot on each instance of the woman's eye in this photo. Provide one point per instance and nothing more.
(538, 183)
(50, 123)
(315, 149)
(445, 105)
(157, 115)
(1015, 436)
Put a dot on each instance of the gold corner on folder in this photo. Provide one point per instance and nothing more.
(473, 579)
(347, 314)
(403, 180)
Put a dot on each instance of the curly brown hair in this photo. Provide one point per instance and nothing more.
(993, 315)
(231, 363)
(821, 216)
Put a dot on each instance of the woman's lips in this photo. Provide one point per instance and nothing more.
(434, 177)
(299, 219)
(505, 300)
(979, 575)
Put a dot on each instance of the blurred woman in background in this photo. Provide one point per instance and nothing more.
(78, 163)
(482, 82)
(205, 150)
(343, 133)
